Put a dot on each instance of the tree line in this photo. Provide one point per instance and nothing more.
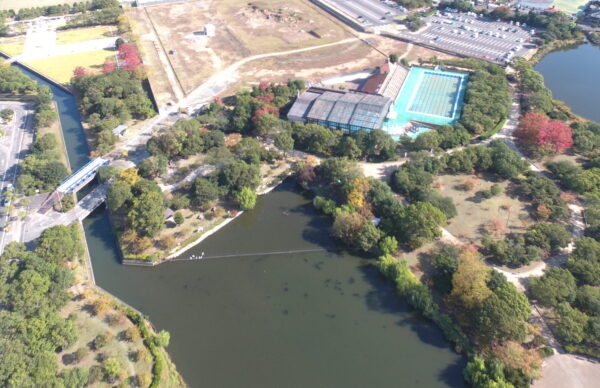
(64, 9)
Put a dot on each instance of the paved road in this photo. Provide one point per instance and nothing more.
(13, 145)
(36, 223)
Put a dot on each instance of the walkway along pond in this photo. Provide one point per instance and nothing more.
(307, 319)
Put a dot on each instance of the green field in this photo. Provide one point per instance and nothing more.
(61, 68)
(12, 49)
(83, 34)
(18, 4)
(570, 6)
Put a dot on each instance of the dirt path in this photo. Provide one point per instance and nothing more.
(220, 81)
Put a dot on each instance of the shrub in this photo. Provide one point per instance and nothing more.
(132, 334)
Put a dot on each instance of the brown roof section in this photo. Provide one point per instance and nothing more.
(373, 83)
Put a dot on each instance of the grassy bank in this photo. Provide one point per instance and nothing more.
(546, 49)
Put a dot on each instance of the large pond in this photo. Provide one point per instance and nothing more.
(308, 319)
(573, 75)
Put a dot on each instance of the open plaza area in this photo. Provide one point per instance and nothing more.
(473, 36)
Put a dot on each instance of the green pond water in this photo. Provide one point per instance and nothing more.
(312, 319)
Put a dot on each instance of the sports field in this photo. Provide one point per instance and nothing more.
(570, 6)
(429, 96)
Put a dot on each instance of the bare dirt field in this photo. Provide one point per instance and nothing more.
(314, 65)
(498, 215)
(266, 26)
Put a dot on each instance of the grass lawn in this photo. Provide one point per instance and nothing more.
(18, 4)
(475, 213)
(570, 6)
(12, 46)
(83, 34)
(61, 68)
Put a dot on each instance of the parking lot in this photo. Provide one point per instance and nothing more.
(474, 36)
(369, 13)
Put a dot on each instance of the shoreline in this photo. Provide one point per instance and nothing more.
(202, 237)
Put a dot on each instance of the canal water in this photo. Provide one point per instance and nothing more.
(573, 75)
(315, 318)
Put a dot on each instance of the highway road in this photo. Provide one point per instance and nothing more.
(14, 144)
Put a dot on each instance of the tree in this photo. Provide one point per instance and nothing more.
(503, 316)
(75, 377)
(146, 216)
(548, 236)
(60, 243)
(555, 136)
(537, 132)
(118, 194)
(388, 245)
(284, 141)
(52, 173)
(246, 198)
(481, 374)
(108, 66)
(129, 54)
(162, 339)
(112, 369)
(347, 227)
(556, 286)
(393, 58)
(584, 262)
(445, 263)
(588, 300)
(422, 223)
(368, 236)
(153, 166)
(469, 282)
(238, 174)
(178, 218)
(571, 323)
(205, 191)
(516, 357)
(80, 72)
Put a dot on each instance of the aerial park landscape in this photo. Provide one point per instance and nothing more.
(304, 193)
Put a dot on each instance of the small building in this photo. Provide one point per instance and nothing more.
(120, 130)
(169, 215)
(209, 30)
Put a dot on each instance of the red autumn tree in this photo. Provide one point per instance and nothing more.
(556, 136)
(80, 71)
(128, 53)
(537, 132)
(529, 128)
(108, 67)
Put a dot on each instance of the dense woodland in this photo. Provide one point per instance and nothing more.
(108, 100)
(33, 288)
